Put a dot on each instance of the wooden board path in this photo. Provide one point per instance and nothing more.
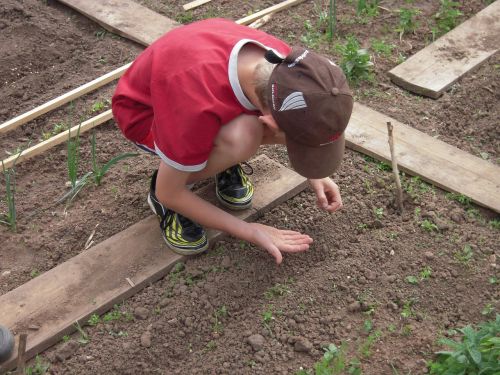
(420, 154)
(93, 281)
(125, 18)
(435, 68)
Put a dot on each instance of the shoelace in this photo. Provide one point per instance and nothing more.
(230, 176)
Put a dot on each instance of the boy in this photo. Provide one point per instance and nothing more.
(203, 98)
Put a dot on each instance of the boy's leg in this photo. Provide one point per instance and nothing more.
(236, 142)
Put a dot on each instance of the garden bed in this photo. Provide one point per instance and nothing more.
(371, 275)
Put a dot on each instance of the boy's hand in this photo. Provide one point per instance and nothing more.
(276, 241)
(328, 194)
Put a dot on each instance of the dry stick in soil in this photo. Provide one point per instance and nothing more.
(23, 338)
(195, 4)
(395, 168)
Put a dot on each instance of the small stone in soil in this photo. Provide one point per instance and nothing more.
(303, 345)
(141, 313)
(146, 339)
(67, 350)
(256, 342)
(429, 255)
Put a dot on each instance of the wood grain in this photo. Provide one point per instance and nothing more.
(435, 68)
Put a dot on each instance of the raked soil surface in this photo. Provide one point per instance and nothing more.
(232, 311)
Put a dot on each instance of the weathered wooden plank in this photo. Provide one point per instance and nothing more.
(419, 154)
(125, 18)
(57, 139)
(272, 9)
(435, 68)
(96, 279)
(195, 4)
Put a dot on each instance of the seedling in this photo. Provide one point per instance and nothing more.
(464, 200)
(39, 368)
(411, 280)
(211, 345)
(407, 23)
(493, 280)
(112, 315)
(34, 273)
(366, 346)
(278, 290)
(94, 320)
(488, 309)
(476, 353)
(355, 61)
(379, 212)
(367, 325)
(446, 18)
(407, 311)
(494, 224)
(381, 47)
(66, 338)
(333, 362)
(465, 255)
(84, 338)
(425, 273)
(367, 8)
(429, 226)
(58, 128)
(98, 106)
(9, 174)
(219, 313)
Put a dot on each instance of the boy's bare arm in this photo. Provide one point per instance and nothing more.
(172, 192)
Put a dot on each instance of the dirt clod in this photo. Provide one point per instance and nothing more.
(303, 345)
(141, 313)
(256, 341)
(67, 350)
(146, 339)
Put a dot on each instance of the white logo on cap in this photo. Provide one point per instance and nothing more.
(298, 59)
(293, 101)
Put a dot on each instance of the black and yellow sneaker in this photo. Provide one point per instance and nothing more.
(233, 188)
(182, 235)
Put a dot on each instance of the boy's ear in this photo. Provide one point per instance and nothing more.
(270, 122)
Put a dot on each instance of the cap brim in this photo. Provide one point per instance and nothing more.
(316, 162)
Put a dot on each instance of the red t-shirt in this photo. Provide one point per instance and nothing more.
(184, 87)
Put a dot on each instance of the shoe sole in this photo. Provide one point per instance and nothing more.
(234, 207)
(172, 247)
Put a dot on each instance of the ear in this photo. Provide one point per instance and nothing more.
(270, 122)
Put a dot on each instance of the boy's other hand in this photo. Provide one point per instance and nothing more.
(327, 193)
(277, 241)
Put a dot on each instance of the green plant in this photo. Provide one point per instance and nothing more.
(39, 368)
(465, 255)
(334, 361)
(495, 224)
(84, 338)
(278, 290)
(332, 19)
(379, 212)
(493, 280)
(94, 320)
(98, 172)
(488, 309)
(9, 174)
(446, 18)
(366, 346)
(184, 17)
(429, 226)
(477, 352)
(425, 273)
(407, 311)
(460, 198)
(381, 47)
(411, 280)
(58, 128)
(414, 186)
(367, 7)
(66, 338)
(219, 313)
(34, 273)
(355, 61)
(98, 106)
(407, 23)
(112, 315)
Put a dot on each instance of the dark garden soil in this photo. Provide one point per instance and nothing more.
(231, 310)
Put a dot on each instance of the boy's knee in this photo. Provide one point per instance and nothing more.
(242, 136)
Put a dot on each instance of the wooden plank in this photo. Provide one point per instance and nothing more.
(57, 139)
(419, 154)
(63, 99)
(195, 4)
(125, 18)
(435, 68)
(275, 8)
(96, 279)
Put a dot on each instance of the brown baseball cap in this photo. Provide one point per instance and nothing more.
(311, 101)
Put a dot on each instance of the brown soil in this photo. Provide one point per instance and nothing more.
(199, 320)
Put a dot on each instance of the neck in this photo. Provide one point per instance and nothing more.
(248, 58)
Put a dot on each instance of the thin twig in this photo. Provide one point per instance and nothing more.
(395, 168)
(21, 351)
